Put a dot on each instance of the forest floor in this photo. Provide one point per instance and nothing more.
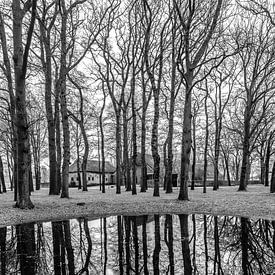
(257, 202)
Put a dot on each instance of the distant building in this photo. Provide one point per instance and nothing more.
(94, 175)
(149, 167)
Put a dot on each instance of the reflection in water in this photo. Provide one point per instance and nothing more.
(168, 244)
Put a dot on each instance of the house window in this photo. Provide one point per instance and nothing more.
(89, 178)
(92, 178)
(72, 178)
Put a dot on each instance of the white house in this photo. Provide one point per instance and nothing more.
(94, 175)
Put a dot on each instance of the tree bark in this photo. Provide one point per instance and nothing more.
(63, 104)
(194, 154)
(20, 68)
(272, 184)
(8, 73)
(185, 244)
(134, 135)
(169, 185)
(2, 178)
(102, 143)
(245, 158)
(267, 159)
(46, 59)
(126, 166)
(205, 163)
(186, 142)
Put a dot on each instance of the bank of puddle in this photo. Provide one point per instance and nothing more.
(154, 244)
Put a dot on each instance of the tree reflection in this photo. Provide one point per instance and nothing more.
(85, 269)
(144, 244)
(169, 241)
(120, 243)
(26, 248)
(3, 236)
(135, 245)
(185, 243)
(157, 245)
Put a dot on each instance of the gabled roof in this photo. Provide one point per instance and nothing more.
(93, 166)
(149, 162)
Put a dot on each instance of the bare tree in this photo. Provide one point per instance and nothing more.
(20, 58)
(190, 61)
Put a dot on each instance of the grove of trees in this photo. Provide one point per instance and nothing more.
(189, 82)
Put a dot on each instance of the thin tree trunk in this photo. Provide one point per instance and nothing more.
(165, 162)
(126, 166)
(134, 135)
(169, 175)
(118, 154)
(102, 144)
(58, 138)
(194, 154)
(2, 178)
(267, 160)
(78, 161)
(45, 43)
(143, 183)
(63, 104)
(205, 163)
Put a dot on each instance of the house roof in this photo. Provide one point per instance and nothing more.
(149, 162)
(93, 166)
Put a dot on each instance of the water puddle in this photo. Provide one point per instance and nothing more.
(166, 244)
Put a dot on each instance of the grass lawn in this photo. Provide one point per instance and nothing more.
(257, 202)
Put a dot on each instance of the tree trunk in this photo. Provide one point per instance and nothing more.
(126, 166)
(85, 157)
(169, 184)
(63, 105)
(165, 163)
(194, 154)
(267, 159)
(78, 162)
(217, 153)
(245, 159)
(2, 178)
(102, 144)
(186, 144)
(205, 144)
(47, 68)
(143, 183)
(134, 135)
(272, 184)
(58, 138)
(118, 154)
(12, 106)
(20, 68)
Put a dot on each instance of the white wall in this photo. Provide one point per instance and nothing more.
(92, 178)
